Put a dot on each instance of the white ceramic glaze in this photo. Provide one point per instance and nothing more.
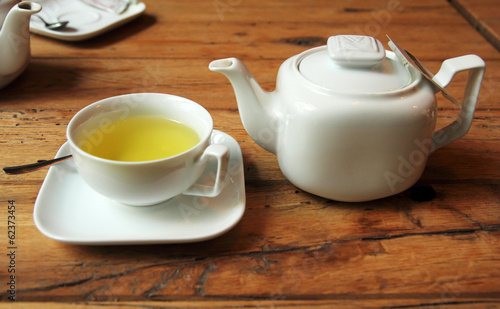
(147, 182)
(85, 21)
(68, 210)
(15, 39)
(354, 142)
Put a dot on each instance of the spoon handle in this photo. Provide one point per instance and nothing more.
(15, 170)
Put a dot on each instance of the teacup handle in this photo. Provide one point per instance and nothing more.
(461, 125)
(221, 154)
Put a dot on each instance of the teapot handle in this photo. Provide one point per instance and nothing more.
(461, 125)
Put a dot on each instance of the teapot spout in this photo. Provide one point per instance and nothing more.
(255, 105)
(15, 41)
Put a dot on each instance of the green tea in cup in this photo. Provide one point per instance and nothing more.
(139, 138)
(145, 148)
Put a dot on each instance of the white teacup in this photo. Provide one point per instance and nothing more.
(146, 182)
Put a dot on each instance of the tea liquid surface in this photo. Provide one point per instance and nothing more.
(139, 138)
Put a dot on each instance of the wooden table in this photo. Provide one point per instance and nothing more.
(437, 244)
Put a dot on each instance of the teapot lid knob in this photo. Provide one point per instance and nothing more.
(355, 50)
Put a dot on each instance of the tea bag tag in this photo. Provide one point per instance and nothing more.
(409, 59)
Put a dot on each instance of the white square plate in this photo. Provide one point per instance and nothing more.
(85, 21)
(69, 211)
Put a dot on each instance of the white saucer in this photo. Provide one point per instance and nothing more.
(85, 21)
(69, 211)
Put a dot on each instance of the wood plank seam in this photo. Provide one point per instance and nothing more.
(475, 22)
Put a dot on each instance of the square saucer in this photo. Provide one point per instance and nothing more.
(68, 210)
(85, 21)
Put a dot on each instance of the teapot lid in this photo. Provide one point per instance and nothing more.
(354, 64)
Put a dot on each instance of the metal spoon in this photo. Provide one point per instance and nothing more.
(22, 169)
(54, 26)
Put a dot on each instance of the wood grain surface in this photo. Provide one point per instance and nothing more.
(484, 15)
(437, 244)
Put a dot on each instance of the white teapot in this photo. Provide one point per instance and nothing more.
(351, 121)
(15, 38)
